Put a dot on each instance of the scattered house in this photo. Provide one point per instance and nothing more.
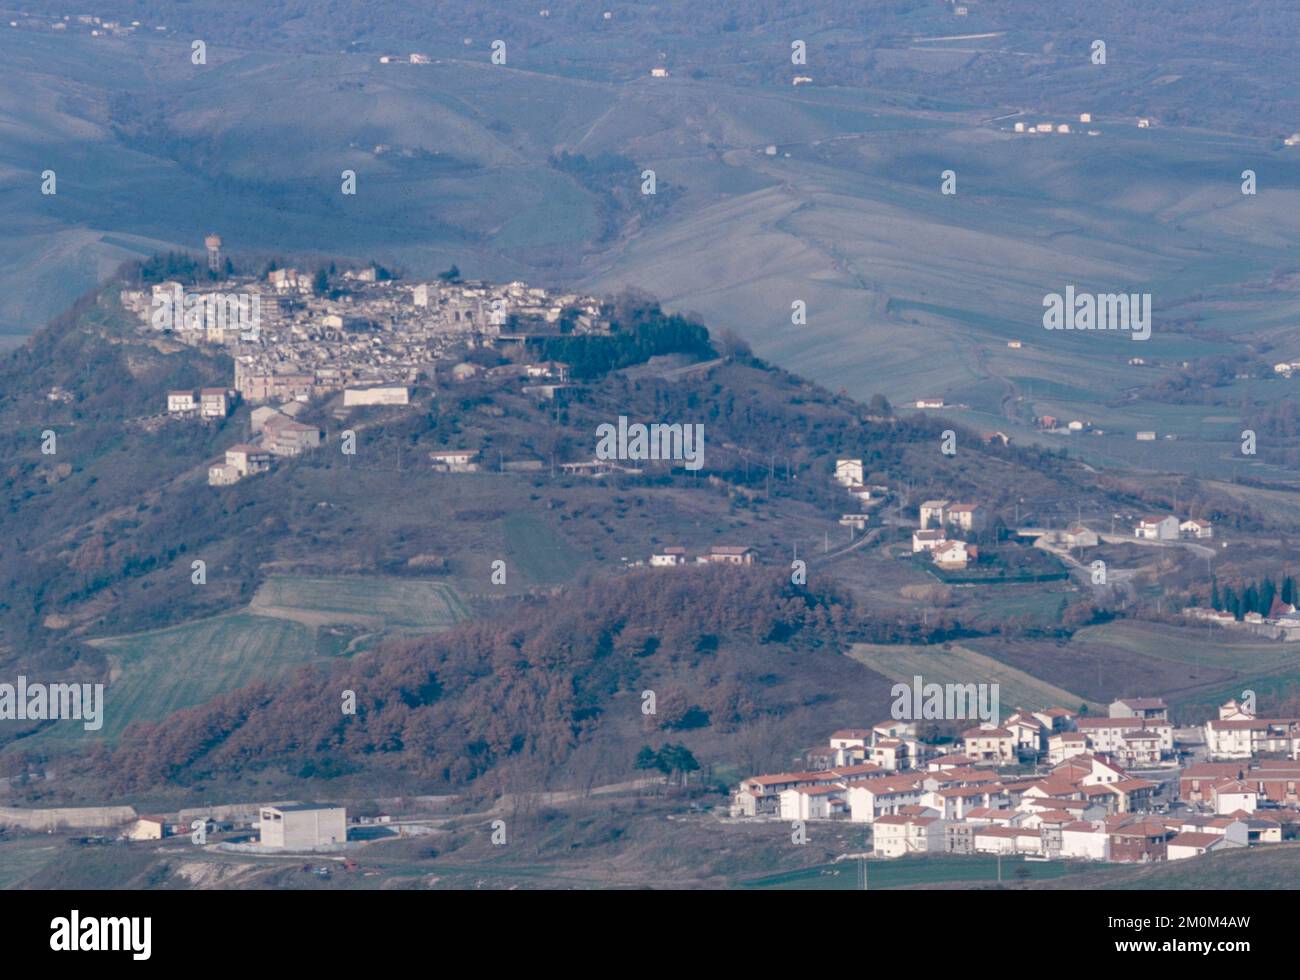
(1196, 528)
(1157, 528)
(969, 517)
(303, 826)
(954, 555)
(856, 521)
(1146, 436)
(1085, 117)
(248, 460)
(668, 557)
(726, 554)
(658, 72)
(181, 403)
(932, 512)
(222, 474)
(928, 540)
(1144, 124)
(1078, 536)
(802, 79)
(214, 403)
(929, 403)
(285, 437)
(148, 828)
(1019, 127)
(455, 460)
(464, 371)
(848, 472)
(1014, 344)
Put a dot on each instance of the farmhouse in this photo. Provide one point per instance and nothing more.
(1196, 528)
(1078, 536)
(670, 556)
(1157, 528)
(848, 472)
(954, 555)
(454, 460)
(727, 554)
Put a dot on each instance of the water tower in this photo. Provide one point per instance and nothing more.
(213, 245)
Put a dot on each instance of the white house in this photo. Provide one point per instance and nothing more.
(848, 472)
(668, 557)
(1233, 795)
(873, 798)
(1078, 536)
(928, 540)
(1157, 528)
(1152, 709)
(968, 517)
(1087, 840)
(989, 744)
(813, 802)
(1196, 528)
(181, 402)
(896, 835)
(1190, 844)
(454, 460)
(932, 512)
(953, 554)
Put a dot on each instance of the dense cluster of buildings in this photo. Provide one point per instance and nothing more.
(1281, 622)
(371, 339)
(1049, 784)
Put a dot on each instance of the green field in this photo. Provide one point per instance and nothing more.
(1214, 646)
(375, 601)
(540, 555)
(958, 665)
(288, 624)
(22, 858)
(907, 872)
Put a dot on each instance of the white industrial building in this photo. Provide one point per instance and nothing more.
(302, 826)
